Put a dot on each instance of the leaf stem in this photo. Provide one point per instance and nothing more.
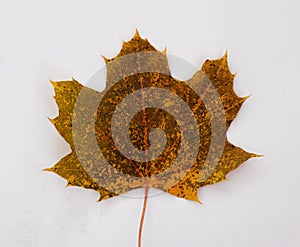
(143, 216)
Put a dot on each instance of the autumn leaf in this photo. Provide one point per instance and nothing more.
(148, 129)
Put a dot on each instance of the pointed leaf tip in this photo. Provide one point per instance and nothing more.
(137, 34)
(50, 169)
(257, 155)
(224, 59)
(225, 54)
(53, 83)
(193, 197)
(246, 97)
(103, 197)
(196, 199)
(106, 60)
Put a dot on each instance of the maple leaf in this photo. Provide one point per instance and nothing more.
(147, 128)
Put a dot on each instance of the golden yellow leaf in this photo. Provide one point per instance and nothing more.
(147, 128)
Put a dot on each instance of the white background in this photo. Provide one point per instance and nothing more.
(258, 206)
